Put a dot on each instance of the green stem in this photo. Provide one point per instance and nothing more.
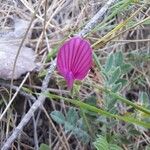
(122, 99)
(85, 119)
(88, 107)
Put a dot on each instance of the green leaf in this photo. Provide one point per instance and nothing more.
(96, 60)
(70, 123)
(101, 143)
(105, 74)
(91, 100)
(80, 123)
(72, 116)
(68, 127)
(125, 68)
(144, 99)
(101, 119)
(110, 104)
(122, 81)
(114, 147)
(58, 117)
(115, 76)
(81, 134)
(109, 62)
(71, 119)
(44, 147)
(134, 132)
(118, 59)
(116, 87)
(51, 54)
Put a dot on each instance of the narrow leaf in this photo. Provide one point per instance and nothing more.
(125, 68)
(101, 143)
(109, 62)
(118, 58)
(115, 76)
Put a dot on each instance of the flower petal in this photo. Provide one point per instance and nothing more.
(74, 59)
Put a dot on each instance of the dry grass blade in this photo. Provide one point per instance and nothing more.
(22, 42)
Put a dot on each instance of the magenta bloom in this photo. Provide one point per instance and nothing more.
(74, 59)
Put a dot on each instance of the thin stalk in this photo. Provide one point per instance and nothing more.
(124, 100)
(88, 107)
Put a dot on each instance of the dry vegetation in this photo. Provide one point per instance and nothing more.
(55, 21)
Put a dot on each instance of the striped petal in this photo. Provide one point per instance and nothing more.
(74, 59)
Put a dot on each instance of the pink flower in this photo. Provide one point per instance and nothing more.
(74, 59)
